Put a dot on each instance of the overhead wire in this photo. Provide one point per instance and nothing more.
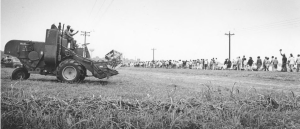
(89, 16)
(270, 27)
(295, 25)
(99, 10)
(279, 22)
(93, 7)
(285, 23)
(103, 13)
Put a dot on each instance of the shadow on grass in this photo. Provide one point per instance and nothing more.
(96, 82)
(91, 82)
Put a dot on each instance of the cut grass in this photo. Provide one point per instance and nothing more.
(212, 108)
(36, 104)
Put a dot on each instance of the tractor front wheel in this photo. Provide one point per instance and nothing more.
(20, 73)
(69, 71)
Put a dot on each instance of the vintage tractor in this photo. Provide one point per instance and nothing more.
(53, 57)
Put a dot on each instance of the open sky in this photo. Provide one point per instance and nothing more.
(177, 29)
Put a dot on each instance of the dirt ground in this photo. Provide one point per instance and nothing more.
(135, 83)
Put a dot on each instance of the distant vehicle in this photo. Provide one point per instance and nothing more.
(11, 62)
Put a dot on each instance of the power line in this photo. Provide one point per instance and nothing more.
(229, 42)
(273, 29)
(93, 7)
(104, 12)
(99, 10)
(272, 25)
(296, 20)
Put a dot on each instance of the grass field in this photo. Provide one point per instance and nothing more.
(154, 98)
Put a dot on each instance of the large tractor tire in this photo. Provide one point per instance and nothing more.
(70, 71)
(20, 73)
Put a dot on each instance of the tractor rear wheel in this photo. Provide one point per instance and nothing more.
(69, 71)
(20, 73)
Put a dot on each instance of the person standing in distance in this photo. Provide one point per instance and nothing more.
(258, 63)
(291, 62)
(250, 62)
(298, 62)
(272, 63)
(243, 62)
(275, 64)
(284, 61)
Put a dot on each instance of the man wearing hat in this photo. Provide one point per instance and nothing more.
(69, 36)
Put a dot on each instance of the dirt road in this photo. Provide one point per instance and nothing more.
(194, 79)
(136, 83)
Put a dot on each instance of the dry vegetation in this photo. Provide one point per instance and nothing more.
(156, 98)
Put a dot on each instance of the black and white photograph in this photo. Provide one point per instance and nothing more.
(150, 64)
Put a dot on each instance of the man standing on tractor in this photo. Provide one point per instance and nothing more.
(69, 36)
(73, 44)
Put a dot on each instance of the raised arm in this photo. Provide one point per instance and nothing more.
(280, 52)
(74, 33)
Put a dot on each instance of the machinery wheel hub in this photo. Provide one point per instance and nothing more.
(69, 73)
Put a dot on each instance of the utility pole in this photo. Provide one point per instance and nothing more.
(153, 53)
(84, 33)
(229, 42)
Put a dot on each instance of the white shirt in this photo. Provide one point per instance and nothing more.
(245, 62)
(292, 60)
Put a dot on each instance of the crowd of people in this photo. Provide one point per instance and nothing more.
(191, 64)
(267, 64)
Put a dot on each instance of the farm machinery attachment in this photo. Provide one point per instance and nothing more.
(53, 57)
